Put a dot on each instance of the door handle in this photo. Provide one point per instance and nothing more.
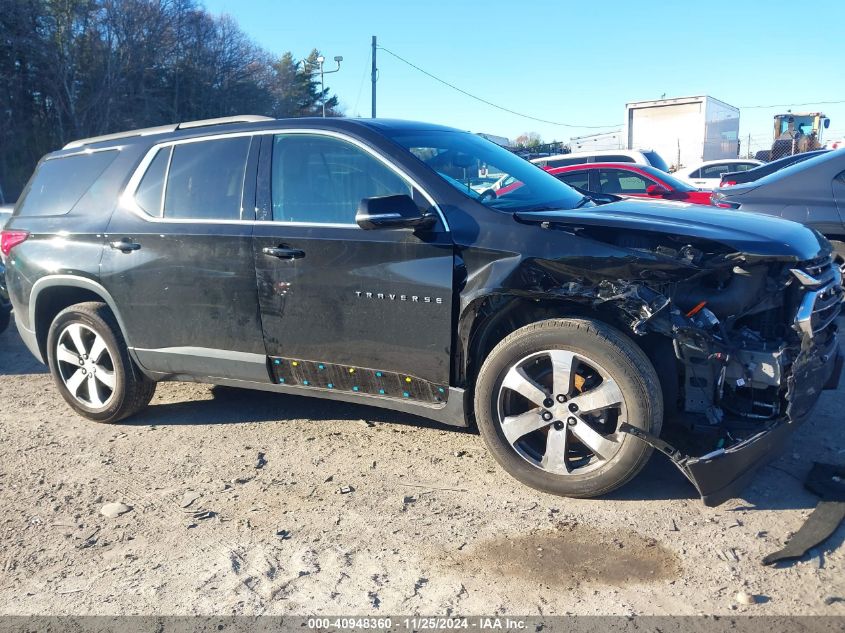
(280, 252)
(125, 245)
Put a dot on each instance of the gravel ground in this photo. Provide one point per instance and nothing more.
(252, 503)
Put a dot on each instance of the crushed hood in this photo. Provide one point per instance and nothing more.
(749, 233)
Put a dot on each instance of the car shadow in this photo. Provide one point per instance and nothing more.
(660, 480)
(15, 358)
(231, 405)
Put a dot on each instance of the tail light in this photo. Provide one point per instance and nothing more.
(717, 199)
(10, 239)
(727, 183)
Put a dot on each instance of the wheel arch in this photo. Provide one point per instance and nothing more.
(53, 293)
(487, 320)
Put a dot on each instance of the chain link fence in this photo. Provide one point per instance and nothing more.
(764, 147)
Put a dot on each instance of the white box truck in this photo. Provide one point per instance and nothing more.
(684, 131)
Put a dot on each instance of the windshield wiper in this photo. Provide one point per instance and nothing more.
(558, 207)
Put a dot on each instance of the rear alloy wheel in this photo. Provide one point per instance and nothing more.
(85, 366)
(551, 397)
(91, 365)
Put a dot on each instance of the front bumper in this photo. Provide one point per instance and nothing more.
(722, 474)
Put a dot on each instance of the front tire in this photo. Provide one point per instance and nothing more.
(91, 365)
(549, 401)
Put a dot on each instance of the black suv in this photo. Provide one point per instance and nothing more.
(369, 261)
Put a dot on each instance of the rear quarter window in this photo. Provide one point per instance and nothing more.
(59, 183)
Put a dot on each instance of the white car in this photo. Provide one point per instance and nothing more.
(638, 156)
(708, 175)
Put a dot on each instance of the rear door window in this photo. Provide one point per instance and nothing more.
(619, 181)
(59, 183)
(206, 179)
(716, 171)
(580, 179)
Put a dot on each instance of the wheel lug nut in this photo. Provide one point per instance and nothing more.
(548, 402)
(571, 421)
(573, 407)
(547, 416)
(558, 425)
(561, 398)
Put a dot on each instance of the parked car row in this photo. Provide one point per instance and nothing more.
(639, 157)
(810, 191)
(708, 175)
(629, 180)
(806, 187)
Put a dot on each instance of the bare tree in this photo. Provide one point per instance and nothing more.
(74, 68)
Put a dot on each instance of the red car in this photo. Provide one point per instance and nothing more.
(629, 180)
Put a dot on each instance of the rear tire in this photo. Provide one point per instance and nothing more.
(591, 378)
(91, 365)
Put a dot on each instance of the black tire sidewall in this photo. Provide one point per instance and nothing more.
(625, 362)
(5, 318)
(119, 357)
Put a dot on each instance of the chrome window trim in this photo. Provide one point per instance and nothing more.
(164, 181)
(84, 152)
(127, 198)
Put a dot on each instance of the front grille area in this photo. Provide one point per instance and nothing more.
(819, 267)
(821, 302)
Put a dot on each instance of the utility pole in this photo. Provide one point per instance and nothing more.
(374, 75)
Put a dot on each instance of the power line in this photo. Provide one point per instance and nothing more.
(490, 103)
(790, 105)
(361, 84)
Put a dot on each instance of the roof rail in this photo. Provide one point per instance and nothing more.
(163, 129)
(242, 118)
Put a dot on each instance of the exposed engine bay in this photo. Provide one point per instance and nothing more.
(753, 337)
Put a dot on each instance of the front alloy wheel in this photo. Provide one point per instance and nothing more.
(550, 400)
(560, 411)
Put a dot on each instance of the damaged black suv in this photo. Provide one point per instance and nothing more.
(383, 262)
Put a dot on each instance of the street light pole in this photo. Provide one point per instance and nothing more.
(320, 61)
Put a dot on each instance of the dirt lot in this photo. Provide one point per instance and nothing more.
(432, 525)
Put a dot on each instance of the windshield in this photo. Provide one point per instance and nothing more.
(656, 160)
(487, 172)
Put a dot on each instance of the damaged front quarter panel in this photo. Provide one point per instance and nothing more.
(752, 367)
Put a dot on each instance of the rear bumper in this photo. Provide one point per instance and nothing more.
(29, 339)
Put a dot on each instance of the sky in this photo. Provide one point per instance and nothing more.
(574, 63)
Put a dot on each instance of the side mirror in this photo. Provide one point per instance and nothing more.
(392, 212)
(656, 190)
